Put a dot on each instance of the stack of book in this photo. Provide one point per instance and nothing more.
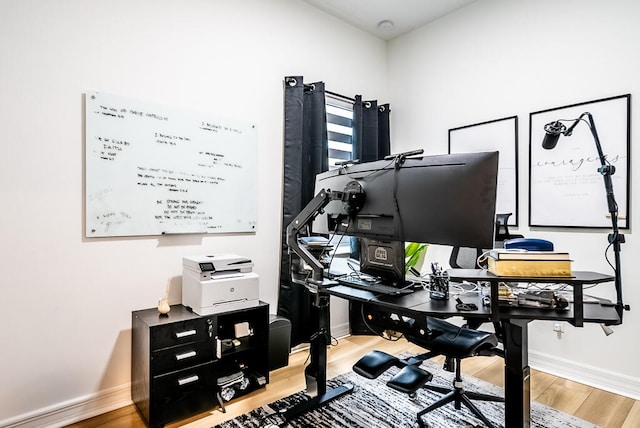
(534, 264)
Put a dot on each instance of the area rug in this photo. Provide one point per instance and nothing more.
(374, 405)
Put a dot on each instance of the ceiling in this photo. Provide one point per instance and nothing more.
(404, 14)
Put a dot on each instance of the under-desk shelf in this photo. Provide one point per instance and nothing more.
(577, 313)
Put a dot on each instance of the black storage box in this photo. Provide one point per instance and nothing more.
(279, 341)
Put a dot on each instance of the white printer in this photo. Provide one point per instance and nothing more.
(218, 283)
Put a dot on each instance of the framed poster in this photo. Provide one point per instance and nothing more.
(496, 135)
(565, 187)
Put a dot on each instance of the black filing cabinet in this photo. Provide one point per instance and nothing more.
(183, 364)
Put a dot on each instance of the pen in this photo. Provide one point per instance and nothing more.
(435, 269)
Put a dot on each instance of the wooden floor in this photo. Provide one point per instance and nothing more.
(603, 408)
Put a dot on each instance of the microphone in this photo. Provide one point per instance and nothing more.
(553, 131)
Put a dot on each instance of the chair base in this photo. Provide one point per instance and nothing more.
(459, 397)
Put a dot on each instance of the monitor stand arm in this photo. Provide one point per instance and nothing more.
(299, 226)
(316, 371)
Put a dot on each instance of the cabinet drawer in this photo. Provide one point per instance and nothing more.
(177, 333)
(182, 393)
(177, 357)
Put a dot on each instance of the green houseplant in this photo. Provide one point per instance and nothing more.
(414, 253)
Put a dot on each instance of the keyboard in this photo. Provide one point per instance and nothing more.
(373, 286)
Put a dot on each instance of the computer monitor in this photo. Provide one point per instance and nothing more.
(438, 199)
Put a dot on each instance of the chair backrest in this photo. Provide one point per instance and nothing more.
(502, 230)
(465, 258)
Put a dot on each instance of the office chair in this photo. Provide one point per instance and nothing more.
(444, 338)
(456, 343)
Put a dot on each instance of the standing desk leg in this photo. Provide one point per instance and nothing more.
(316, 371)
(517, 391)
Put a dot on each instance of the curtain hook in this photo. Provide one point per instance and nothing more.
(291, 81)
(381, 109)
(367, 104)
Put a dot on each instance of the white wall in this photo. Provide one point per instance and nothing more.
(498, 58)
(67, 301)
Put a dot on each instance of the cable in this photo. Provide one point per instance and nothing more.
(333, 341)
(366, 324)
(483, 258)
(339, 241)
(395, 198)
(456, 336)
(457, 288)
(381, 170)
(606, 251)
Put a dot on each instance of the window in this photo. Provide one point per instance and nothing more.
(339, 130)
(340, 136)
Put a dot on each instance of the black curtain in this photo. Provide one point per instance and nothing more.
(371, 139)
(371, 142)
(306, 153)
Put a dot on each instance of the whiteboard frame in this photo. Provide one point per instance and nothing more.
(501, 135)
(554, 201)
(154, 169)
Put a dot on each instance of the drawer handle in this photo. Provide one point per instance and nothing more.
(185, 355)
(187, 380)
(186, 333)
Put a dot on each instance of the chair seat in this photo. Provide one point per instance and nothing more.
(454, 341)
(409, 379)
(374, 364)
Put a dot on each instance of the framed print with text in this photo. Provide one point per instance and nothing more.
(565, 187)
(496, 135)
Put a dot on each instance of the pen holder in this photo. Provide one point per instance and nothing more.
(439, 286)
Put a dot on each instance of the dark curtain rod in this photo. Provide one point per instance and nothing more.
(344, 97)
(312, 87)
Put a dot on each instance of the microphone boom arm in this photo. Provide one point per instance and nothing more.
(615, 238)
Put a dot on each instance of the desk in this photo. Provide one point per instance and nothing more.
(515, 322)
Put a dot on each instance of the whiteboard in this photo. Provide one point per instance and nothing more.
(153, 170)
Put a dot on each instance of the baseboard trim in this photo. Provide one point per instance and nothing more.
(586, 374)
(72, 411)
(341, 330)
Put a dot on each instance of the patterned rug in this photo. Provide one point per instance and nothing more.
(374, 405)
